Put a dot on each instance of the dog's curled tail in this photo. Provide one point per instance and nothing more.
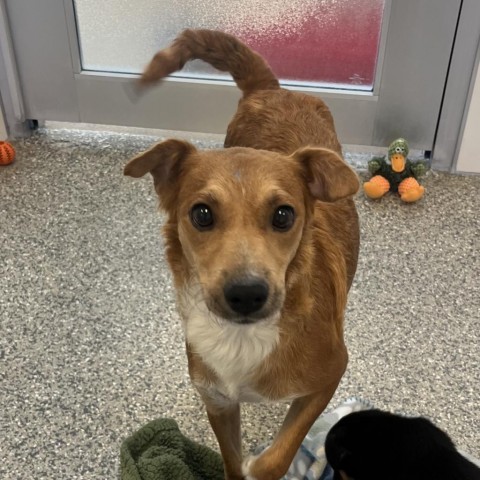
(221, 50)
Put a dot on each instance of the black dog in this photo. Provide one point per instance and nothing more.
(375, 445)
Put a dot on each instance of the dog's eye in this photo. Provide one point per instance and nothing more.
(283, 218)
(201, 216)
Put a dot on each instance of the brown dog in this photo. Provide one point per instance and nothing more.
(262, 239)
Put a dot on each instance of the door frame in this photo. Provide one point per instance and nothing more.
(11, 102)
(458, 88)
(78, 96)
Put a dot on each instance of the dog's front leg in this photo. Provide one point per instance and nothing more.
(273, 463)
(225, 422)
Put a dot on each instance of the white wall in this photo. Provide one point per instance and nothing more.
(469, 153)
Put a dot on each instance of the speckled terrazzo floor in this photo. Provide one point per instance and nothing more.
(91, 347)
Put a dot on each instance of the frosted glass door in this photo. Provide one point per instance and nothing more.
(329, 43)
(380, 65)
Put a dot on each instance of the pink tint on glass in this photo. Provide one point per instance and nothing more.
(337, 44)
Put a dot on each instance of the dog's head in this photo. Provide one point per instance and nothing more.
(240, 215)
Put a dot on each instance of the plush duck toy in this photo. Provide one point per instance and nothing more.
(397, 176)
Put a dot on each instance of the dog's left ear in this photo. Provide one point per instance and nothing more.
(329, 177)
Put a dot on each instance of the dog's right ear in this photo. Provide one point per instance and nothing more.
(164, 161)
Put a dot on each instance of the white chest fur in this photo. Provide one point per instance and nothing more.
(232, 351)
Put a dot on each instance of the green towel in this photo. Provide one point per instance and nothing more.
(159, 451)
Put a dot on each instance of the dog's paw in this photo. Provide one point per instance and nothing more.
(246, 467)
(263, 466)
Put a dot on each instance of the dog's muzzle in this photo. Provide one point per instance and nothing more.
(246, 296)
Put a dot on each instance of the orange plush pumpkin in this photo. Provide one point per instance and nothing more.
(7, 153)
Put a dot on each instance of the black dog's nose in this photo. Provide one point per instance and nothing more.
(246, 296)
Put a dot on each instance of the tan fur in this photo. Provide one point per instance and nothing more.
(283, 150)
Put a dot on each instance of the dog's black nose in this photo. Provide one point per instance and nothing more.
(246, 296)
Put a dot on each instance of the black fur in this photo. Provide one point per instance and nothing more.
(375, 445)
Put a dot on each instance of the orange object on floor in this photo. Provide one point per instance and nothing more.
(7, 153)
(410, 190)
(376, 187)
